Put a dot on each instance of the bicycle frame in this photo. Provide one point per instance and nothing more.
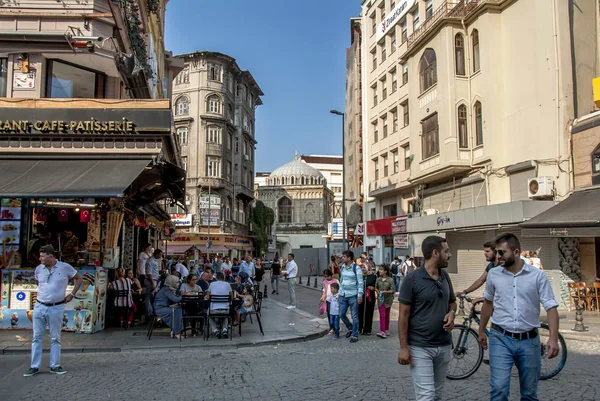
(468, 321)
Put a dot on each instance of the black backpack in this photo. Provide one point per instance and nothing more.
(394, 268)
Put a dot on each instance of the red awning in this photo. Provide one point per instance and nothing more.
(381, 226)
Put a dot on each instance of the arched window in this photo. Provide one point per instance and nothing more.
(459, 54)
(302, 181)
(182, 106)
(293, 181)
(284, 210)
(475, 41)
(463, 139)
(213, 104)
(428, 70)
(478, 124)
(213, 134)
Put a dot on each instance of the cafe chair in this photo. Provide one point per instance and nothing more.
(155, 321)
(228, 314)
(256, 310)
(194, 313)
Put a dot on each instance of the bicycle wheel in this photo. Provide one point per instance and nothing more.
(551, 367)
(467, 354)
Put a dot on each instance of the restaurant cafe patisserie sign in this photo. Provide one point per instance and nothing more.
(64, 127)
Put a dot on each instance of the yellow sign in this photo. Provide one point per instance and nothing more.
(21, 126)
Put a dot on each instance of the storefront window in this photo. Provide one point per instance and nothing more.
(68, 81)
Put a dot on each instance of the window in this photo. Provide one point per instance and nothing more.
(429, 9)
(405, 114)
(373, 214)
(385, 126)
(394, 74)
(284, 210)
(407, 156)
(213, 134)
(393, 40)
(373, 24)
(395, 160)
(68, 81)
(394, 120)
(237, 145)
(3, 76)
(241, 214)
(375, 132)
(428, 70)
(376, 168)
(478, 124)
(228, 171)
(390, 210)
(459, 54)
(596, 161)
(404, 74)
(416, 21)
(184, 162)
(374, 89)
(214, 104)
(430, 138)
(182, 106)
(475, 40)
(385, 165)
(374, 58)
(337, 190)
(383, 89)
(214, 72)
(182, 135)
(213, 167)
(228, 206)
(463, 139)
(383, 50)
(229, 141)
(404, 27)
(183, 77)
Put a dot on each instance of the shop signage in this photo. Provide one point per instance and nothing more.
(360, 229)
(382, 226)
(443, 220)
(393, 17)
(401, 241)
(399, 226)
(181, 220)
(58, 126)
(215, 240)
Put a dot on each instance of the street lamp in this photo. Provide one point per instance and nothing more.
(339, 113)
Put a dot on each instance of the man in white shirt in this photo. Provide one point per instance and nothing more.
(247, 266)
(219, 287)
(142, 259)
(291, 271)
(226, 265)
(514, 292)
(52, 277)
(181, 269)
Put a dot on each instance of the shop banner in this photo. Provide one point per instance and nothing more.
(182, 220)
(399, 226)
(401, 241)
(232, 241)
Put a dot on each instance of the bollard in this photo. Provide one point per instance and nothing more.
(300, 280)
(579, 317)
(266, 292)
(461, 307)
(316, 279)
(308, 281)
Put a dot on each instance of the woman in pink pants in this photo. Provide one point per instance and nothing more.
(385, 298)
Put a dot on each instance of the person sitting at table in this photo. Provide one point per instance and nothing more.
(163, 300)
(136, 292)
(218, 325)
(123, 303)
(205, 279)
(229, 276)
(190, 287)
(242, 312)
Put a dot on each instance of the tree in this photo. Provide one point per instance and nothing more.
(262, 219)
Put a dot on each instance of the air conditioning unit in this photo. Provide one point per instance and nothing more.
(430, 212)
(540, 187)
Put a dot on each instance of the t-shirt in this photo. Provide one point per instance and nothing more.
(259, 272)
(152, 268)
(185, 287)
(490, 266)
(141, 271)
(219, 288)
(428, 300)
(334, 304)
(275, 269)
(52, 283)
(181, 269)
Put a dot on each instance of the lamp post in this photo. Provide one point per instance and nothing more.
(339, 113)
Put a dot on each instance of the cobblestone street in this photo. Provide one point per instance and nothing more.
(299, 371)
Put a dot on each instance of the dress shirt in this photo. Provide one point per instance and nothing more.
(152, 268)
(181, 269)
(52, 283)
(292, 269)
(517, 297)
(247, 268)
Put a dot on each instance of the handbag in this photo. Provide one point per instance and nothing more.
(322, 308)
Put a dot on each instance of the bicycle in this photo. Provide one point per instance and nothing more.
(467, 352)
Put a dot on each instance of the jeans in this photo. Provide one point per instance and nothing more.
(505, 352)
(334, 323)
(53, 317)
(148, 308)
(397, 283)
(428, 369)
(275, 279)
(352, 303)
(384, 318)
(292, 290)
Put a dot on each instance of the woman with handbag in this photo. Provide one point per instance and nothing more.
(325, 305)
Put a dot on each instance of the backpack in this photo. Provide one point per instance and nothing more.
(395, 268)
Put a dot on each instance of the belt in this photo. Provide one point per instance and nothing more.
(50, 304)
(518, 336)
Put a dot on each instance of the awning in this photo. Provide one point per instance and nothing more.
(63, 178)
(214, 248)
(576, 216)
(176, 249)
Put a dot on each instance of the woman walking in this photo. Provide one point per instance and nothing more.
(384, 287)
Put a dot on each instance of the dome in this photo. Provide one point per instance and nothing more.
(295, 173)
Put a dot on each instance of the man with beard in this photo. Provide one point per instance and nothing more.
(489, 251)
(514, 292)
(426, 318)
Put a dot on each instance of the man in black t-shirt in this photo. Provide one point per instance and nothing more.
(275, 273)
(489, 251)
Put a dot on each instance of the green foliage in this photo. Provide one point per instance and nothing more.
(262, 218)
(131, 15)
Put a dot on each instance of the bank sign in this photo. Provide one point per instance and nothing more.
(181, 220)
(393, 17)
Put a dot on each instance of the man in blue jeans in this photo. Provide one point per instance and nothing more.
(514, 292)
(351, 293)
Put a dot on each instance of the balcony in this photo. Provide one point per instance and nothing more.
(244, 191)
(214, 149)
(213, 182)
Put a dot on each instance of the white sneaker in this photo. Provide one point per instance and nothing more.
(290, 307)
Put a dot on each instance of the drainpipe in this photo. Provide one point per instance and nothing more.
(557, 90)
(573, 60)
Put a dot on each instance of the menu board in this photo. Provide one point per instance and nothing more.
(10, 232)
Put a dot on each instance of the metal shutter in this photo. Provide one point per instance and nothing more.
(467, 262)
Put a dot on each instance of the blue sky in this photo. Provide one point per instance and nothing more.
(296, 51)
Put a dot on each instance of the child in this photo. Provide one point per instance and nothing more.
(328, 274)
(334, 310)
(246, 306)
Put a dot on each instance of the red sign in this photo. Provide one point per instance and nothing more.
(381, 226)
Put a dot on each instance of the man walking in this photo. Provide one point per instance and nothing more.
(351, 293)
(395, 266)
(514, 292)
(489, 251)
(275, 272)
(152, 276)
(247, 266)
(52, 277)
(427, 309)
(291, 271)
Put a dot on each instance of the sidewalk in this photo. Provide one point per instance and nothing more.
(279, 325)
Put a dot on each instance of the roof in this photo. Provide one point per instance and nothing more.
(296, 168)
(323, 159)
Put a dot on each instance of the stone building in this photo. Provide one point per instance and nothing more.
(303, 205)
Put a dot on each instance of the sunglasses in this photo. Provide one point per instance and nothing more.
(439, 286)
(501, 252)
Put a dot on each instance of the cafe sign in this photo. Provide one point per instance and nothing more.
(91, 126)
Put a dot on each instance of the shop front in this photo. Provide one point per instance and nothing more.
(79, 175)
(387, 238)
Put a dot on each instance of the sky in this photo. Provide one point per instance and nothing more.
(296, 52)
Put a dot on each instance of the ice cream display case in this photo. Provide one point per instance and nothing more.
(84, 314)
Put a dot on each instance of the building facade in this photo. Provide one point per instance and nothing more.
(456, 121)
(214, 104)
(303, 205)
(331, 167)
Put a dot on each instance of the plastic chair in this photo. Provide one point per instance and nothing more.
(256, 309)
